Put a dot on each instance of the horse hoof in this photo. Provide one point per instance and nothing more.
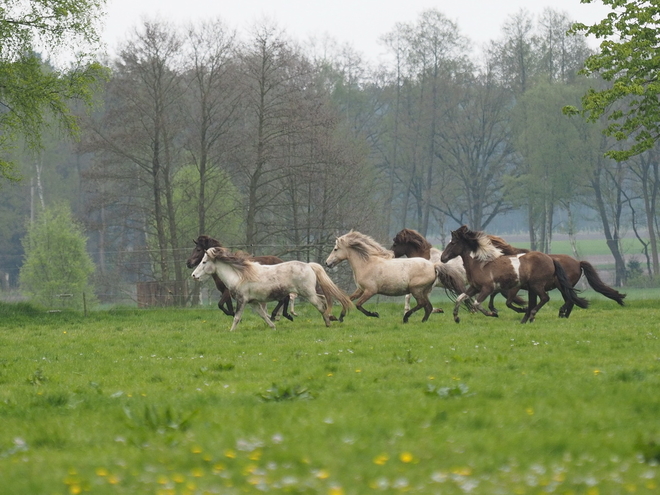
(438, 310)
(289, 317)
(375, 315)
(457, 319)
(334, 318)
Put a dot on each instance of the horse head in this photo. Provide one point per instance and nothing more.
(411, 243)
(337, 255)
(202, 243)
(460, 241)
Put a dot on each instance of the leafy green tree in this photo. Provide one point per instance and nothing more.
(31, 92)
(628, 59)
(56, 262)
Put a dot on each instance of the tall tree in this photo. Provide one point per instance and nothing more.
(213, 94)
(32, 94)
(476, 147)
(138, 135)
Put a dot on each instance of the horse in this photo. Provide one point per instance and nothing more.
(488, 269)
(412, 244)
(202, 244)
(255, 284)
(376, 271)
(574, 270)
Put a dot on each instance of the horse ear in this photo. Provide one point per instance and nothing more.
(195, 242)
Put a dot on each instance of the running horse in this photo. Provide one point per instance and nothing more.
(574, 270)
(488, 270)
(410, 243)
(255, 284)
(202, 244)
(376, 271)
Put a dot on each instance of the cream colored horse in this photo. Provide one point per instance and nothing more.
(255, 284)
(376, 271)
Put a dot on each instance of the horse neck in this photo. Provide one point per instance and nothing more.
(358, 264)
(227, 273)
(469, 263)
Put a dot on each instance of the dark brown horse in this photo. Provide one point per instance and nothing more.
(488, 270)
(574, 270)
(410, 243)
(202, 244)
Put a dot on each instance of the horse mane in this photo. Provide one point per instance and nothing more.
(238, 261)
(480, 244)
(414, 238)
(207, 242)
(364, 245)
(506, 248)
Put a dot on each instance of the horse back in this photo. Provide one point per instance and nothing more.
(266, 260)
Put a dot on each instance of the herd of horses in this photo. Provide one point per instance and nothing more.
(472, 267)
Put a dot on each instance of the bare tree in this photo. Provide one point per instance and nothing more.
(138, 133)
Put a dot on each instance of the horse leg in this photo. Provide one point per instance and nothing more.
(481, 297)
(320, 303)
(292, 298)
(240, 307)
(469, 294)
(422, 298)
(226, 300)
(284, 304)
(406, 304)
(543, 298)
(531, 303)
(260, 309)
(491, 303)
(511, 297)
(361, 300)
(565, 310)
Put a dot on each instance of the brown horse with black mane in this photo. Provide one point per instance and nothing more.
(488, 270)
(410, 243)
(202, 244)
(574, 270)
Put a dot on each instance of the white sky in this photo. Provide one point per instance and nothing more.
(359, 23)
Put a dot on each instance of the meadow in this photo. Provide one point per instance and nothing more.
(169, 401)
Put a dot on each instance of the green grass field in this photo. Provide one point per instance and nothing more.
(168, 401)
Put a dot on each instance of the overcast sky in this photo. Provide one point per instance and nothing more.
(360, 23)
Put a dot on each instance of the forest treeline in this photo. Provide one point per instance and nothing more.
(276, 147)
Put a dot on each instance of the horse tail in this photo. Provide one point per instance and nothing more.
(330, 290)
(598, 285)
(450, 278)
(566, 288)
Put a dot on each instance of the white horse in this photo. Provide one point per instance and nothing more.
(376, 271)
(255, 284)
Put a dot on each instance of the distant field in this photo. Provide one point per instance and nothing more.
(169, 402)
(589, 247)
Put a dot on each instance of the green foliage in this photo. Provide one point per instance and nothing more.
(277, 393)
(57, 268)
(159, 420)
(31, 90)
(628, 61)
(223, 216)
